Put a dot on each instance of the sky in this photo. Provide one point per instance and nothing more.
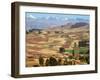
(38, 20)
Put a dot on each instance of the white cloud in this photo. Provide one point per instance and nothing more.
(31, 16)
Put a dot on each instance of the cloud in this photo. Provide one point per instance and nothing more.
(31, 16)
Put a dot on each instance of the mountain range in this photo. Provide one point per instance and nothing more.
(52, 23)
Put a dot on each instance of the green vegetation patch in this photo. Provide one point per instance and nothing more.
(81, 50)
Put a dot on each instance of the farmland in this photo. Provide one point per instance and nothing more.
(68, 46)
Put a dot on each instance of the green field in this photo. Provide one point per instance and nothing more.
(81, 50)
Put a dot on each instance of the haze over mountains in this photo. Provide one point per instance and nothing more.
(45, 21)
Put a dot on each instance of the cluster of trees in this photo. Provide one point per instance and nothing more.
(49, 61)
(52, 61)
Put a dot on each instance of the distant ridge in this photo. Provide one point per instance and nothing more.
(79, 24)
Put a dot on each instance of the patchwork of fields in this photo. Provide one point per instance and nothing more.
(47, 43)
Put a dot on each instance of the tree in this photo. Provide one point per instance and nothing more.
(53, 61)
(41, 60)
(61, 49)
(75, 45)
(47, 62)
(59, 61)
